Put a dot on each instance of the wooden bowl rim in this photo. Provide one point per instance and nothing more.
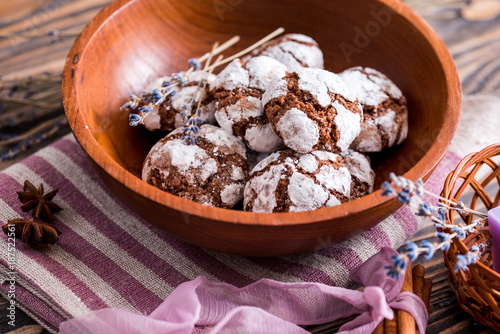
(426, 164)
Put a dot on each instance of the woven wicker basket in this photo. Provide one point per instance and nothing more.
(478, 288)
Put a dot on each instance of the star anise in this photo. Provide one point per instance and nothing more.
(37, 235)
(34, 199)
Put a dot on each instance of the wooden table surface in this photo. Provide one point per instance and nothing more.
(35, 36)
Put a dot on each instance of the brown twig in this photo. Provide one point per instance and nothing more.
(50, 33)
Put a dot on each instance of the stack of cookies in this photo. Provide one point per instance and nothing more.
(279, 132)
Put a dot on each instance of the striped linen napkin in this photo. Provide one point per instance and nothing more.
(109, 257)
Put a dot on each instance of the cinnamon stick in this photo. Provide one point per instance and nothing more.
(427, 294)
(406, 322)
(391, 326)
(418, 273)
(403, 322)
(380, 328)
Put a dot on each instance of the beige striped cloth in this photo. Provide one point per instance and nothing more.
(109, 257)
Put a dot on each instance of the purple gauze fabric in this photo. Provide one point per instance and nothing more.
(266, 306)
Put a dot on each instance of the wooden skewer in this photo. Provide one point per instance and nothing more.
(220, 48)
(250, 48)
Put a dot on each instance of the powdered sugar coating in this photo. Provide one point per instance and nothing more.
(291, 104)
(152, 121)
(263, 71)
(363, 176)
(261, 138)
(308, 163)
(305, 194)
(238, 174)
(290, 181)
(222, 139)
(335, 179)
(358, 165)
(299, 132)
(211, 172)
(293, 50)
(193, 163)
(320, 82)
(276, 90)
(371, 86)
(233, 76)
(385, 111)
(266, 161)
(168, 115)
(238, 91)
(347, 124)
(231, 194)
(244, 108)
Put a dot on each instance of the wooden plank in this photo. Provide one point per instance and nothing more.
(11, 11)
(20, 56)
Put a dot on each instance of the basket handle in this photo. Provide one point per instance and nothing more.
(468, 161)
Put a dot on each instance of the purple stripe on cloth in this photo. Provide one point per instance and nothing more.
(205, 261)
(377, 237)
(435, 183)
(83, 292)
(83, 206)
(300, 271)
(109, 271)
(447, 165)
(407, 220)
(129, 287)
(96, 260)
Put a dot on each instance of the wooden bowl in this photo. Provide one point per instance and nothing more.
(131, 42)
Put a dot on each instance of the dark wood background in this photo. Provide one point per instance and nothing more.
(35, 36)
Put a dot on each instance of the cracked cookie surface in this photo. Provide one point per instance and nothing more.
(385, 112)
(312, 109)
(363, 176)
(295, 51)
(287, 181)
(168, 115)
(238, 93)
(212, 172)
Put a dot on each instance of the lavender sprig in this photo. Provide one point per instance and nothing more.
(159, 95)
(192, 116)
(152, 100)
(405, 190)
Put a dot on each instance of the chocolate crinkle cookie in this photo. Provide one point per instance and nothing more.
(312, 109)
(385, 112)
(211, 172)
(295, 51)
(238, 92)
(287, 181)
(168, 114)
(363, 176)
